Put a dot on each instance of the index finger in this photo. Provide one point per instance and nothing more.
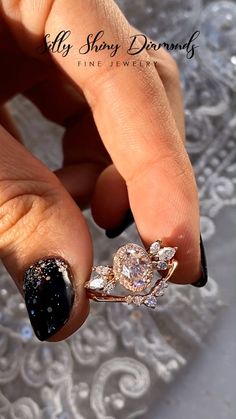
(135, 122)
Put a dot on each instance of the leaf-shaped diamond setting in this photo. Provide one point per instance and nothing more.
(97, 282)
(167, 253)
(155, 247)
(100, 278)
(151, 301)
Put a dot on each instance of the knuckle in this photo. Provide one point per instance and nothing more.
(97, 84)
(172, 166)
(22, 213)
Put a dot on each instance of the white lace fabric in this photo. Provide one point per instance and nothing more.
(109, 368)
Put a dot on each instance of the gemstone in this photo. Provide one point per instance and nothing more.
(132, 267)
(167, 253)
(151, 301)
(161, 265)
(129, 299)
(97, 282)
(138, 299)
(103, 270)
(160, 289)
(110, 285)
(155, 247)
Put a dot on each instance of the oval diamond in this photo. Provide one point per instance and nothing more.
(132, 267)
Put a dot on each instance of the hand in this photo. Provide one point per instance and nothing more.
(123, 147)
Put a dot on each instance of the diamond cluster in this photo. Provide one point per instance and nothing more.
(133, 268)
(161, 256)
(102, 279)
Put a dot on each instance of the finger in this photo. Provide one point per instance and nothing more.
(39, 220)
(57, 99)
(145, 144)
(110, 199)
(168, 72)
(7, 122)
(117, 209)
(84, 158)
(84, 155)
(136, 124)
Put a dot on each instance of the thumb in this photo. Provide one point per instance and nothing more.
(44, 242)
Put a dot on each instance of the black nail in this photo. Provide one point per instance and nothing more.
(127, 221)
(201, 282)
(49, 295)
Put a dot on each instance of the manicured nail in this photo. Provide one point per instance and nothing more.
(204, 276)
(49, 295)
(127, 221)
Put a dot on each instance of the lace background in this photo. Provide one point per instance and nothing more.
(126, 362)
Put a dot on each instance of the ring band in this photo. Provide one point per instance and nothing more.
(140, 276)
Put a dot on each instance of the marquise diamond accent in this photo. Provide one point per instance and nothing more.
(155, 247)
(167, 253)
(100, 278)
(97, 282)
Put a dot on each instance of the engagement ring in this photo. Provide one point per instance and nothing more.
(138, 276)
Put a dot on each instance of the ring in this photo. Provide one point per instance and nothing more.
(140, 276)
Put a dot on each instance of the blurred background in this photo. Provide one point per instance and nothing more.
(177, 361)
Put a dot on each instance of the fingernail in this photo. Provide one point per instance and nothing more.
(49, 295)
(127, 221)
(201, 282)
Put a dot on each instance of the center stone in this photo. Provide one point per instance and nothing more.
(132, 267)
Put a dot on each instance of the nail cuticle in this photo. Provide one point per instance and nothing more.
(49, 295)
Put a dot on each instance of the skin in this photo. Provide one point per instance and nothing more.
(124, 132)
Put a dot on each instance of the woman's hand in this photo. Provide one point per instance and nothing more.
(123, 146)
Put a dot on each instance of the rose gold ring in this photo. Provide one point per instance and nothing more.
(138, 276)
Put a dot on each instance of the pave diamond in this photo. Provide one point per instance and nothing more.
(167, 253)
(110, 285)
(132, 267)
(138, 299)
(103, 270)
(160, 290)
(151, 301)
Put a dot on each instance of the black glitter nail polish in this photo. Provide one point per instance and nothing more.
(49, 295)
(127, 221)
(202, 281)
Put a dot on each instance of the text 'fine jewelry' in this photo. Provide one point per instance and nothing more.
(138, 276)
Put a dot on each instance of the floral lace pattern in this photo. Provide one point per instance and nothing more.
(108, 368)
